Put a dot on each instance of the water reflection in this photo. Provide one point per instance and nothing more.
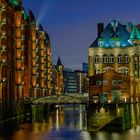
(77, 122)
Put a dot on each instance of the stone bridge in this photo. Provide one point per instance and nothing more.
(56, 99)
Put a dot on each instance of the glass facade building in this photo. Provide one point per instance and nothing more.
(70, 81)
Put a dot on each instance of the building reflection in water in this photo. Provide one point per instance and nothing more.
(113, 117)
(69, 121)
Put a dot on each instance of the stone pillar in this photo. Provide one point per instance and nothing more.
(131, 65)
(100, 66)
(90, 66)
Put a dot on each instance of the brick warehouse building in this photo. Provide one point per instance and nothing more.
(115, 54)
(25, 56)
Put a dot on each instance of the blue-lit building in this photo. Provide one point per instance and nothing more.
(70, 81)
(85, 67)
(115, 51)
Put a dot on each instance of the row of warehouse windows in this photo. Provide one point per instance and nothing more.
(111, 59)
(105, 82)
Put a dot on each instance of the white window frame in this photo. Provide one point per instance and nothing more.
(105, 59)
(126, 59)
(111, 59)
(120, 59)
(96, 59)
(98, 83)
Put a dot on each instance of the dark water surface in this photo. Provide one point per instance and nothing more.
(74, 122)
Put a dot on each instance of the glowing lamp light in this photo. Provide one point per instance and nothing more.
(125, 100)
(4, 60)
(3, 48)
(23, 83)
(18, 54)
(4, 79)
(23, 68)
(18, 64)
(109, 101)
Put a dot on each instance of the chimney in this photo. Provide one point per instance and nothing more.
(100, 28)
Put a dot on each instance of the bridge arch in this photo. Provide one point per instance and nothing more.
(55, 99)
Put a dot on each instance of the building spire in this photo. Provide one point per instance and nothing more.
(135, 33)
(59, 63)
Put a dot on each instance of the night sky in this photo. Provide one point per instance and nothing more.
(72, 24)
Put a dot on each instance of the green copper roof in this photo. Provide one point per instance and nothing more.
(115, 39)
(24, 14)
(14, 2)
(135, 33)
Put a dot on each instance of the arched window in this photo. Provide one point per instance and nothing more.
(111, 58)
(107, 69)
(97, 59)
(124, 70)
(126, 58)
(120, 60)
(105, 58)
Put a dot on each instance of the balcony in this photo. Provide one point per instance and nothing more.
(23, 58)
(3, 48)
(23, 68)
(2, 8)
(22, 38)
(4, 79)
(22, 27)
(3, 35)
(3, 22)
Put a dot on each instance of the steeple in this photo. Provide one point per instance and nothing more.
(135, 33)
(59, 63)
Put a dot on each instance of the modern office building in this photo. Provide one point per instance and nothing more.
(70, 81)
(85, 67)
(82, 81)
(115, 51)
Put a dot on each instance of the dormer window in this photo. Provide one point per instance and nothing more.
(101, 43)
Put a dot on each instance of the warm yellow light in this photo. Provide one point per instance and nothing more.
(18, 54)
(19, 64)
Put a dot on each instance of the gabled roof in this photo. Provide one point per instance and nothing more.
(114, 31)
(95, 43)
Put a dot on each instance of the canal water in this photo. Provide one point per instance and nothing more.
(76, 122)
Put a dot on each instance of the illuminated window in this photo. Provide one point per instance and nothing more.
(119, 58)
(107, 69)
(116, 82)
(124, 70)
(105, 58)
(111, 58)
(100, 43)
(104, 82)
(98, 83)
(97, 59)
(126, 58)
(117, 43)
